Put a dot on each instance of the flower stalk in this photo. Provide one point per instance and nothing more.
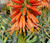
(21, 39)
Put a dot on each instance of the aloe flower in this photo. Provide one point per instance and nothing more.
(44, 3)
(24, 15)
(44, 0)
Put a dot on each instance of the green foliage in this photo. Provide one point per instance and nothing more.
(21, 39)
(48, 41)
(34, 39)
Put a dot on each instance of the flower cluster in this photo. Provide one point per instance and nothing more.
(24, 15)
(44, 4)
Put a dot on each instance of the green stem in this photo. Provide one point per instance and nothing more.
(10, 7)
(2, 36)
(21, 39)
(10, 10)
(25, 3)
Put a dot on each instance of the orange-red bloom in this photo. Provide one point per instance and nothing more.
(26, 18)
(44, 0)
(44, 4)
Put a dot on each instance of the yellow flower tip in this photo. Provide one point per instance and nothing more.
(20, 31)
(23, 30)
(33, 33)
(24, 34)
(16, 33)
(32, 29)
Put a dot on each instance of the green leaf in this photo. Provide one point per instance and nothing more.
(4, 21)
(31, 41)
(0, 40)
(48, 41)
(5, 40)
(3, 27)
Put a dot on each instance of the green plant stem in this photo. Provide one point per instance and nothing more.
(10, 7)
(2, 36)
(21, 39)
(10, 10)
(25, 3)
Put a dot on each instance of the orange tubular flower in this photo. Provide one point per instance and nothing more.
(44, 3)
(25, 19)
(44, 0)
(47, 1)
(8, 3)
